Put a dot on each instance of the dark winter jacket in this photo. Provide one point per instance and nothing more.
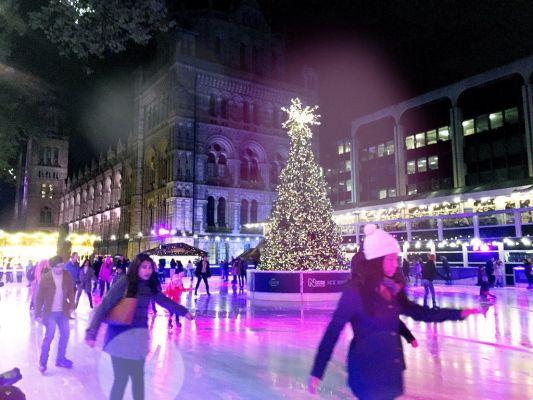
(46, 292)
(134, 344)
(86, 279)
(429, 271)
(375, 359)
(198, 270)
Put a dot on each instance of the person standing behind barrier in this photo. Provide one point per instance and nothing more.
(86, 278)
(104, 277)
(202, 272)
(528, 273)
(190, 270)
(128, 350)
(53, 304)
(406, 269)
(498, 273)
(489, 270)
(237, 272)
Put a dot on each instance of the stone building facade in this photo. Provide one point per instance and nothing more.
(207, 147)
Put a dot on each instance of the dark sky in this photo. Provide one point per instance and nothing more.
(369, 54)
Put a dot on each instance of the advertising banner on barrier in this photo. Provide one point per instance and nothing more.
(277, 282)
(324, 282)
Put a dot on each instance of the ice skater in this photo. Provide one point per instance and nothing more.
(53, 304)
(127, 349)
(86, 277)
(173, 292)
(372, 304)
(203, 272)
(498, 273)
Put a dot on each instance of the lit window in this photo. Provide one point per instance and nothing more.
(420, 139)
(341, 149)
(389, 148)
(371, 152)
(496, 120)
(382, 194)
(482, 123)
(381, 150)
(511, 115)
(431, 136)
(50, 191)
(43, 191)
(411, 167)
(410, 142)
(411, 189)
(348, 166)
(433, 162)
(444, 133)
(349, 186)
(422, 164)
(468, 127)
(391, 192)
(347, 147)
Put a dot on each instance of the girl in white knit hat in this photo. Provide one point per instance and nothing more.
(372, 305)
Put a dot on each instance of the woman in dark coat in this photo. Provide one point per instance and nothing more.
(86, 278)
(372, 305)
(128, 344)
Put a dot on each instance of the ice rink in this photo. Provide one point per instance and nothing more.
(238, 349)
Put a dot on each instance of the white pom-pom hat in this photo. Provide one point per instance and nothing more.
(378, 243)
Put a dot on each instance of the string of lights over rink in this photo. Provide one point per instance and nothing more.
(248, 350)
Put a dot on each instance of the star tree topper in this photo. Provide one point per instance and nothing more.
(300, 119)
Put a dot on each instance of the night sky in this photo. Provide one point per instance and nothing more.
(369, 54)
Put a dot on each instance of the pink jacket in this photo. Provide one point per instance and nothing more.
(105, 272)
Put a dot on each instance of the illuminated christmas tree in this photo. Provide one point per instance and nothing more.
(301, 234)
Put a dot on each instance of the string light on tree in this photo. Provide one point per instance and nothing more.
(301, 234)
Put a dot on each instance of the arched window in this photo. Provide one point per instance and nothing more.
(210, 211)
(253, 212)
(246, 112)
(244, 169)
(212, 106)
(221, 212)
(254, 170)
(242, 56)
(222, 165)
(218, 49)
(46, 216)
(274, 173)
(211, 164)
(244, 212)
(224, 108)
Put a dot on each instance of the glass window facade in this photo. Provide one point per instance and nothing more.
(511, 115)
(496, 120)
(411, 167)
(468, 127)
(433, 162)
(431, 137)
(422, 164)
(410, 142)
(420, 140)
(444, 133)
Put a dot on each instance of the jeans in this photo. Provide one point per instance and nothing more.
(59, 319)
(89, 295)
(123, 369)
(428, 286)
(200, 278)
(102, 285)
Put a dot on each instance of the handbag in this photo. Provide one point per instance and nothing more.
(122, 313)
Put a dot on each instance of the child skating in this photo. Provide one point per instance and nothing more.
(173, 292)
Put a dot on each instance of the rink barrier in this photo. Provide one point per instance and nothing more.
(296, 285)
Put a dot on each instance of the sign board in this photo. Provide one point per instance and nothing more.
(325, 282)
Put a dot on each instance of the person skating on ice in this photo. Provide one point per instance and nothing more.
(372, 303)
(53, 305)
(128, 344)
(202, 272)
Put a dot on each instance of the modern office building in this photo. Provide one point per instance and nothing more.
(445, 168)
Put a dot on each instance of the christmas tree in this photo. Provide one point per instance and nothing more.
(301, 234)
